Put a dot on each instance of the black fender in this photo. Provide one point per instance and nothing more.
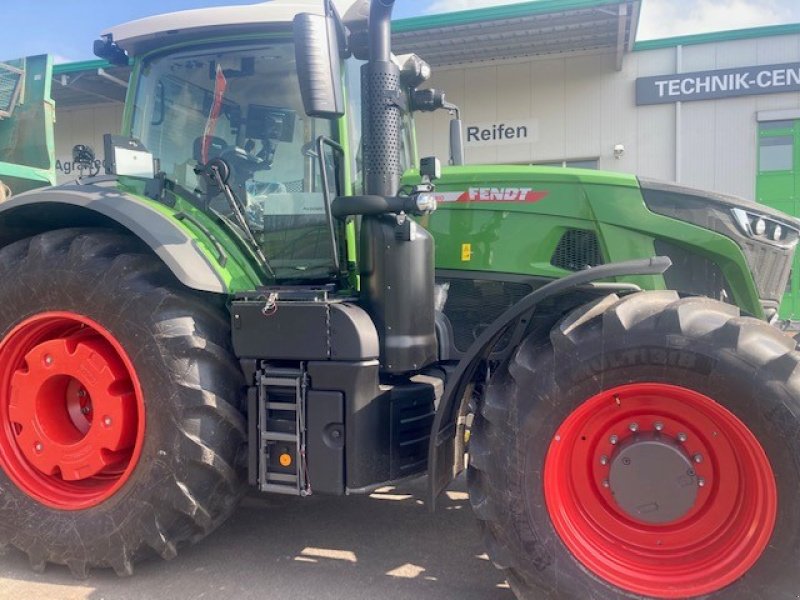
(446, 445)
(101, 203)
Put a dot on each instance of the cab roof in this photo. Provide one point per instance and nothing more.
(143, 35)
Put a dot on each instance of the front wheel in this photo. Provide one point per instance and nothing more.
(120, 430)
(650, 449)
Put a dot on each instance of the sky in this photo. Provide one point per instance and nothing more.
(67, 29)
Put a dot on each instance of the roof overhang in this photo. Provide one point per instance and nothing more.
(539, 28)
(88, 83)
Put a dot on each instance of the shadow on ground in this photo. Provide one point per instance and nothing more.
(384, 546)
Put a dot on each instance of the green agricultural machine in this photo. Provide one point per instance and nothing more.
(27, 114)
(249, 299)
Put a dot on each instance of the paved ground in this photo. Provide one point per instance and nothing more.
(386, 546)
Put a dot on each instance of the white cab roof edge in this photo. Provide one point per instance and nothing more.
(142, 34)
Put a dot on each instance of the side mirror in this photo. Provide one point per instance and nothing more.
(316, 44)
(106, 49)
(127, 157)
(428, 100)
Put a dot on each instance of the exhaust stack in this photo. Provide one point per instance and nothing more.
(382, 114)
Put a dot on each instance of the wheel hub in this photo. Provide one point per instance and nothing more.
(653, 479)
(52, 430)
(71, 411)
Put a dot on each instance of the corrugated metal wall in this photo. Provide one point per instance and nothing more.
(583, 108)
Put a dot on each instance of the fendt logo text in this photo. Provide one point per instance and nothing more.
(493, 195)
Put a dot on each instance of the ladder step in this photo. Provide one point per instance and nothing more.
(277, 436)
(281, 382)
(279, 489)
(283, 373)
(281, 406)
(282, 477)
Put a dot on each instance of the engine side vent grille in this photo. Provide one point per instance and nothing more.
(577, 250)
(473, 304)
(692, 273)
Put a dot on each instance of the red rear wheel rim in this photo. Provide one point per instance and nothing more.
(71, 411)
(715, 541)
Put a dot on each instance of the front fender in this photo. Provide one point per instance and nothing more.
(100, 204)
(446, 445)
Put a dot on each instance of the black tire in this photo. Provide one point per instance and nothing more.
(189, 477)
(745, 365)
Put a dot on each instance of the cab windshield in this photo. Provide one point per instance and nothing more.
(243, 104)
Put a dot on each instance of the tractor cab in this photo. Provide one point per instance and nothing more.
(213, 85)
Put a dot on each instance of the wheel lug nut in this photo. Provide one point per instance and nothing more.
(48, 360)
(634, 427)
(701, 482)
(613, 440)
(682, 437)
(604, 460)
(38, 447)
(107, 421)
(606, 484)
(658, 426)
(698, 458)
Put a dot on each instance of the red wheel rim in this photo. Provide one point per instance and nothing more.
(716, 540)
(71, 411)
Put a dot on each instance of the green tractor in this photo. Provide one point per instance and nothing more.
(249, 299)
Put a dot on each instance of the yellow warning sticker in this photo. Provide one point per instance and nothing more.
(466, 252)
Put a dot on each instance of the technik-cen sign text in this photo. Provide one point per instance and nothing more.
(724, 83)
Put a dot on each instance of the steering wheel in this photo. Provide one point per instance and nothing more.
(241, 160)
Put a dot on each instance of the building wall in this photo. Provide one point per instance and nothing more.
(85, 125)
(580, 107)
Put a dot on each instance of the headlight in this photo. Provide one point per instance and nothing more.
(732, 217)
(757, 226)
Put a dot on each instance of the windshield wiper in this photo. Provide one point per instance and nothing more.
(217, 172)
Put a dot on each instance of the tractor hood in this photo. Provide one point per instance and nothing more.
(535, 188)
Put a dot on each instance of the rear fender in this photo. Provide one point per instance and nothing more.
(103, 204)
(447, 439)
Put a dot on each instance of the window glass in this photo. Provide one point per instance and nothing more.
(243, 104)
(773, 125)
(573, 164)
(776, 153)
(353, 76)
(582, 164)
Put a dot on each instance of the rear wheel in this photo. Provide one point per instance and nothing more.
(649, 448)
(120, 430)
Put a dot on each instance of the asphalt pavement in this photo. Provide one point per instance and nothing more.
(385, 546)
